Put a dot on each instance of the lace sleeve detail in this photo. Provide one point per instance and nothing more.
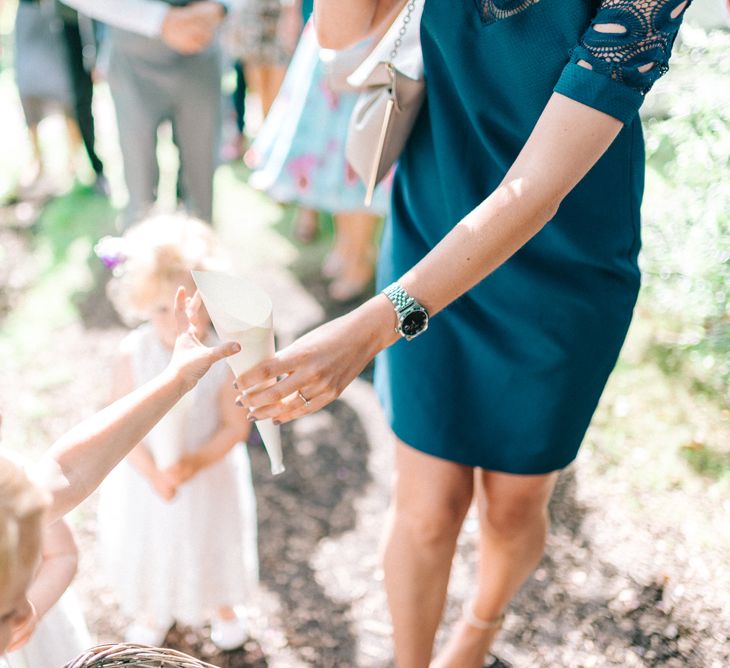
(631, 40)
(624, 50)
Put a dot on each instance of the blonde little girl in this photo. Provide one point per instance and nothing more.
(177, 522)
(75, 466)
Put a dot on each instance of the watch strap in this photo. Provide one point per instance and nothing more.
(400, 299)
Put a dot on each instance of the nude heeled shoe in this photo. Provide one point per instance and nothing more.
(447, 655)
(482, 624)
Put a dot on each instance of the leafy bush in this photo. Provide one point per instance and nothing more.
(686, 255)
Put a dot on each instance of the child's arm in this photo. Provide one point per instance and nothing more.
(77, 463)
(59, 561)
(233, 429)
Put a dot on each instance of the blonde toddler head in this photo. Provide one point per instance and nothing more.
(157, 254)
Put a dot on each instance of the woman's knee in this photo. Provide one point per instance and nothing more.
(511, 509)
(434, 520)
(512, 518)
(431, 496)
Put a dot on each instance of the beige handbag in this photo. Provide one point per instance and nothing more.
(393, 91)
(339, 65)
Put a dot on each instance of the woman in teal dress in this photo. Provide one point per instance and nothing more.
(516, 224)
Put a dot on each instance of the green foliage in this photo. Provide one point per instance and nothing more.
(78, 215)
(706, 461)
(686, 256)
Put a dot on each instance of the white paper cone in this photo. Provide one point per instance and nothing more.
(241, 311)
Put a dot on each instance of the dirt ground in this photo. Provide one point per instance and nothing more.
(616, 587)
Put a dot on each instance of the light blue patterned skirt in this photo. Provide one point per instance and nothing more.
(299, 155)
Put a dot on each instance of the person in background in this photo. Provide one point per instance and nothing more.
(263, 34)
(40, 48)
(162, 554)
(299, 157)
(236, 146)
(164, 65)
(55, 631)
(79, 37)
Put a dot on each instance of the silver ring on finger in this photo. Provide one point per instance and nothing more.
(304, 399)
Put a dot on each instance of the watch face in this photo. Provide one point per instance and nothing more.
(414, 323)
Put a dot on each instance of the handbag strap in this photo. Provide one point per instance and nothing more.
(403, 29)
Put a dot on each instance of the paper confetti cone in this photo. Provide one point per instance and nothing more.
(241, 311)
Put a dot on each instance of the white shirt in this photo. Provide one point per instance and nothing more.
(141, 16)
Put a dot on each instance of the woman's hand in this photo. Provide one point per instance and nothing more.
(319, 365)
(191, 360)
(191, 29)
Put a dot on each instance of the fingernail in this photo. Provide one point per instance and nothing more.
(237, 347)
(251, 417)
(238, 402)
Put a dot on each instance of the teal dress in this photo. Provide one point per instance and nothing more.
(508, 376)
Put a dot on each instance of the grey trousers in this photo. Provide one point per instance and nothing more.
(150, 84)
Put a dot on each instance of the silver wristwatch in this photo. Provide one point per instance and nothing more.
(412, 317)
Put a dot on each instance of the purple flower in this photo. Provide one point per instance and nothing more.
(110, 250)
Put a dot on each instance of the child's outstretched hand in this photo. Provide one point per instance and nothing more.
(190, 358)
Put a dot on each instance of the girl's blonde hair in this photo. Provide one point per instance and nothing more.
(157, 252)
(21, 508)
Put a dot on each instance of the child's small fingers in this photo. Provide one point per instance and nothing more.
(225, 350)
(181, 318)
(194, 304)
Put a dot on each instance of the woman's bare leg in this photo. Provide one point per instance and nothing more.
(354, 233)
(513, 526)
(306, 225)
(272, 76)
(430, 500)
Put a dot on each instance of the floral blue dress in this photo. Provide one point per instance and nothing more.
(508, 377)
(299, 155)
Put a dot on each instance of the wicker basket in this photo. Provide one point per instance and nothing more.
(130, 655)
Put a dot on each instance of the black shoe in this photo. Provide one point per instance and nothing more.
(101, 186)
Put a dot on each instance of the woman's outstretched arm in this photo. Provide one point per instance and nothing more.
(342, 24)
(78, 462)
(600, 89)
(566, 142)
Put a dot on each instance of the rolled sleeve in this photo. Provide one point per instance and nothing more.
(599, 91)
(626, 48)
